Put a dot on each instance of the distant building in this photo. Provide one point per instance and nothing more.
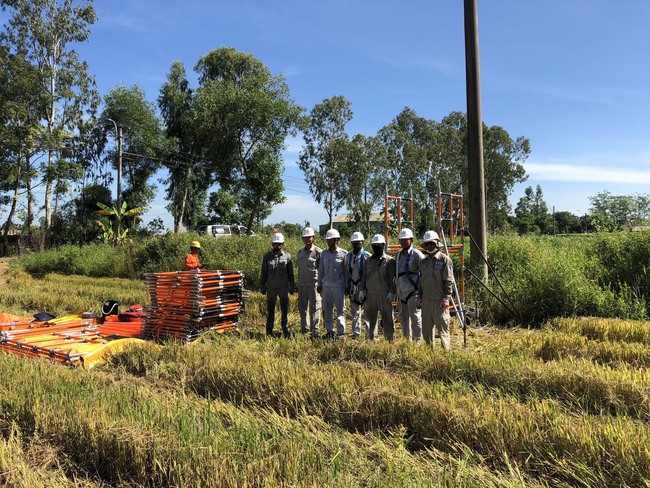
(376, 223)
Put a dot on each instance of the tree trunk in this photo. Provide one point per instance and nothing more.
(12, 211)
(251, 217)
(30, 209)
(330, 207)
(183, 201)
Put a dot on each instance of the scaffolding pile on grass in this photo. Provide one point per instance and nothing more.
(69, 340)
(184, 304)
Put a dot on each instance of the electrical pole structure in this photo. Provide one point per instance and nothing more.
(476, 186)
(118, 132)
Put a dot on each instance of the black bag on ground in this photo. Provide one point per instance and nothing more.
(44, 316)
(110, 307)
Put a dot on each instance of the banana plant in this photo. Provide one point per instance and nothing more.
(116, 234)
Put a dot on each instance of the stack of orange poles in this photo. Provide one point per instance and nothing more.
(61, 342)
(186, 303)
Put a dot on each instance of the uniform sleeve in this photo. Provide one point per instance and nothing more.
(320, 272)
(392, 269)
(265, 274)
(448, 277)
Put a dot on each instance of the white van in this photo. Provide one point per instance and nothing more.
(219, 230)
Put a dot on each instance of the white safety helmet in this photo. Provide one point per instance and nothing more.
(430, 236)
(308, 232)
(406, 234)
(356, 236)
(378, 239)
(277, 238)
(332, 234)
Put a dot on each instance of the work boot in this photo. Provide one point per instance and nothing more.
(286, 334)
(330, 336)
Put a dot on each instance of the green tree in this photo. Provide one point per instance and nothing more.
(44, 31)
(532, 213)
(21, 108)
(568, 223)
(611, 212)
(76, 222)
(410, 145)
(143, 141)
(503, 159)
(222, 206)
(189, 178)
(365, 168)
(115, 231)
(244, 114)
(322, 159)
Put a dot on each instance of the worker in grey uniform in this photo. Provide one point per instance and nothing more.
(435, 290)
(407, 271)
(309, 301)
(355, 263)
(277, 281)
(378, 288)
(332, 284)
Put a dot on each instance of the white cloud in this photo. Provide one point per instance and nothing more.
(294, 145)
(292, 71)
(576, 173)
(298, 209)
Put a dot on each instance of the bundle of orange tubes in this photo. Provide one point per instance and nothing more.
(72, 339)
(186, 303)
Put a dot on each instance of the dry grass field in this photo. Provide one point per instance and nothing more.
(567, 404)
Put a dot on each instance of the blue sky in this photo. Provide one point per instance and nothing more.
(571, 76)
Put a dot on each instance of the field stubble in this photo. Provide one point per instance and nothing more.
(564, 405)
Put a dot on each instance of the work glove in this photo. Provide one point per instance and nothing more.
(418, 303)
(391, 297)
(444, 303)
(362, 295)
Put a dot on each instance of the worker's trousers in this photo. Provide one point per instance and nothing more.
(378, 304)
(410, 318)
(334, 297)
(358, 314)
(272, 294)
(434, 316)
(309, 304)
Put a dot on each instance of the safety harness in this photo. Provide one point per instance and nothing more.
(408, 274)
(351, 281)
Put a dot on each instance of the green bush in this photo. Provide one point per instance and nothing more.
(602, 275)
(606, 275)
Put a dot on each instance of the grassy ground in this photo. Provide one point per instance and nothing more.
(564, 405)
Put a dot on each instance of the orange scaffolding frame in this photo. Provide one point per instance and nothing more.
(451, 230)
(393, 248)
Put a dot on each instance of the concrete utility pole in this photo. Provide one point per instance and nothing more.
(476, 187)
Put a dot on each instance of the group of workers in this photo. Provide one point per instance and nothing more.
(419, 282)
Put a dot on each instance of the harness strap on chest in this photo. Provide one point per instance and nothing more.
(414, 283)
(350, 257)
